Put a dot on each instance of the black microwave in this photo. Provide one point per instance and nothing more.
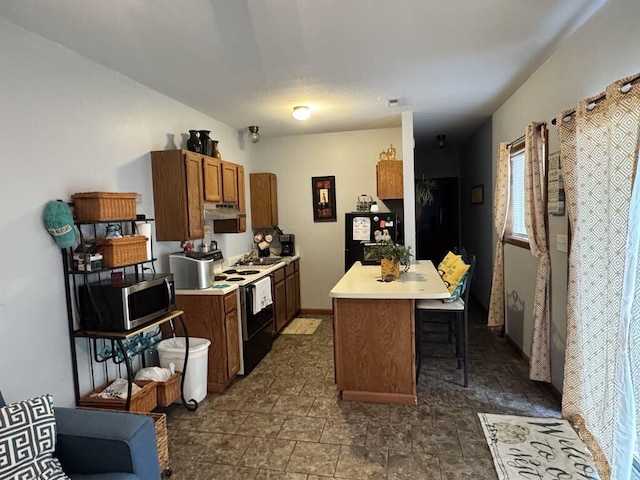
(121, 305)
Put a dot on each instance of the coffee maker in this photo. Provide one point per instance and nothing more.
(288, 244)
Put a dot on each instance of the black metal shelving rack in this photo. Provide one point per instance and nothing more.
(115, 338)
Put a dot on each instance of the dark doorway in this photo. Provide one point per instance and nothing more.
(438, 224)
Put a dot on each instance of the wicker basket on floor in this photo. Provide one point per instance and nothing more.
(123, 251)
(167, 391)
(142, 401)
(104, 206)
(162, 441)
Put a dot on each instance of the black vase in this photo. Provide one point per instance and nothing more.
(194, 144)
(207, 144)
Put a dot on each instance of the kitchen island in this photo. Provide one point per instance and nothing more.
(374, 332)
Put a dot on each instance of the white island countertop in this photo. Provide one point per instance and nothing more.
(422, 281)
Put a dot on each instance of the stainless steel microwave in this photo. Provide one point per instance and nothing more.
(122, 305)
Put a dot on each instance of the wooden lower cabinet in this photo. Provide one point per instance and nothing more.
(286, 294)
(280, 305)
(215, 317)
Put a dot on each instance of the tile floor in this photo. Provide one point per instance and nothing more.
(285, 422)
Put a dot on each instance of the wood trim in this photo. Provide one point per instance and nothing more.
(517, 242)
(379, 397)
(316, 311)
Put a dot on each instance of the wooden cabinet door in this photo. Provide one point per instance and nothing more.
(242, 204)
(273, 198)
(291, 296)
(177, 195)
(212, 179)
(195, 195)
(203, 316)
(280, 305)
(264, 200)
(389, 180)
(229, 183)
(296, 284)
(233, 347)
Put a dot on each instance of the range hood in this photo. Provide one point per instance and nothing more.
(221, 211)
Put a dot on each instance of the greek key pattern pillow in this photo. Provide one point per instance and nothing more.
(28, 440)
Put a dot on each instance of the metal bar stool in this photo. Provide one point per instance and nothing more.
(460, 314)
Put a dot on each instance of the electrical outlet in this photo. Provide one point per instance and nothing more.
(562, 243)
(138, 198)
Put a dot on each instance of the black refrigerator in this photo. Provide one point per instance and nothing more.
(365, 228)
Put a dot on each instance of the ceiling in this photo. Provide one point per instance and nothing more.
(249, 62)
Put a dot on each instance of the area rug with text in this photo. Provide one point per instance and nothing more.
(536, 448)
(302, 326)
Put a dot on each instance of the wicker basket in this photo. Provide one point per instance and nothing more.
(142, 401)
(169, 391)
(123, 251)
(162, 440)
(104, 206)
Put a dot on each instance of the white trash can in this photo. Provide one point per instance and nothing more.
(195, 380)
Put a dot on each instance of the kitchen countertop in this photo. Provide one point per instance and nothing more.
(233, 286)
(422, 281)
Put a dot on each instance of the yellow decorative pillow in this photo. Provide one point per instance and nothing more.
(448, 260)
(454, 273)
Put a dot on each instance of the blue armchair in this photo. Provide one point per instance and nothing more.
(102, 445)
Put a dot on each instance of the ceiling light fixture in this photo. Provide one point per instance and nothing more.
(254, 136)
(441, 140)
(301, 112)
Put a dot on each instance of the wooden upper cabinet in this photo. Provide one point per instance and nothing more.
(178, 195)
(263, 189)
(389, 179)
(212, 179)
(242, 204)
(229, 182)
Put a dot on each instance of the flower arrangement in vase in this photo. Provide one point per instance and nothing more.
(392, 257)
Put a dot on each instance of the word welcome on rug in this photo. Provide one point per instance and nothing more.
(536, 449)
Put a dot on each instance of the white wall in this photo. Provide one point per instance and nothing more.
(69, 125)
(351, 157)
(600, 52)
(476, 219)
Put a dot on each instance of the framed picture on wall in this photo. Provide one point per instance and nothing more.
(323, 190)
(477, 195)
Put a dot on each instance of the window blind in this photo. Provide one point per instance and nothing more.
(517, 195)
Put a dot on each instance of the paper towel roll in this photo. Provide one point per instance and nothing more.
(144, 228)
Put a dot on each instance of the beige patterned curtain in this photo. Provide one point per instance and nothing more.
(500, 205)
(599, 154)
(535, 194)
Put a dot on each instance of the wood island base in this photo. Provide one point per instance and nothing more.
(374, 350)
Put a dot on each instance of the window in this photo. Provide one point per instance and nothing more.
(516, 232)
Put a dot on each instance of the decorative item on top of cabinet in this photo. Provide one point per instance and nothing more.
(264, 200)
(389, 179)
(207, 143)
(177, 181)
(215, 318)
(193, 143)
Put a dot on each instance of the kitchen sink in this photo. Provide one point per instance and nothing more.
(268, 260)
(260, 261)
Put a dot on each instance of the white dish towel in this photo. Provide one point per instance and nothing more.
(262, 294)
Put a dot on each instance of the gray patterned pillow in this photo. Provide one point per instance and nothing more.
(28, 440)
